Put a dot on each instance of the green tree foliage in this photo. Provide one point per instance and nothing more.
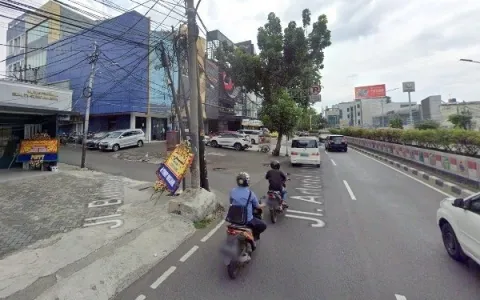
(396, 123)
(281, 116)
(460, 141)
(427, 124)
(289, 58)
(462, 120)
(310, 119)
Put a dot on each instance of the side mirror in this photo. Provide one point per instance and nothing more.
(458, 203)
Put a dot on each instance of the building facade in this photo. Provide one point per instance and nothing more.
(29, 34)
(431, 108)
(129, 90)
(454, 107)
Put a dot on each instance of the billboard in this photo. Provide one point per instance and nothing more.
(370, 91)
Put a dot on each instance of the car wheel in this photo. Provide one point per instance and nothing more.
(345, 150)
(238, 147)
(116, 147)
(214, 144)
(140, 144)
(253, 141)
(451, 243)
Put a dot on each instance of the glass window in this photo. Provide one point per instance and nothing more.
(304, 144)
(37, 32)
(10, 48)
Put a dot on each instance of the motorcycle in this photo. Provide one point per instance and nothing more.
(239, 246)
(275, 204)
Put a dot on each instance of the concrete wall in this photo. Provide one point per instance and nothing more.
(459, 165)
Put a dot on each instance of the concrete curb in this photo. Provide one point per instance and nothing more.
(441, 184)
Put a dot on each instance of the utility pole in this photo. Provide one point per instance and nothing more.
(201, 144)
(93, 62)
(166, 65)
(192, 75)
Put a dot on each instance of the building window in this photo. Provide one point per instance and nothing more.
(348, 109)
(37, 59)
(37, 32)
(358, 122)
(358, 105)
(348, 116)
(10, 48)
(358, 114)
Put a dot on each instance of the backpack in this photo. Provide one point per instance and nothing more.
(238, 214)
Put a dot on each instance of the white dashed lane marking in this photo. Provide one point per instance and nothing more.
(164, 277)
(333, 162)
(141, 297)
(212, 232)
(188, 254)
(400, 297)
(349, 190)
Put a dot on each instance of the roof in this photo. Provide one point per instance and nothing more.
(33, 110)
(305, 138)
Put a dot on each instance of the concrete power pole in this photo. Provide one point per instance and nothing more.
(194, 97)
(93, 62)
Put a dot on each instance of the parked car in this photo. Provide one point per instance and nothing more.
(94, 141)
(119, 139)
(305, 151)
(336, 142)
(459, 221)
(254, 135)
(232, 140)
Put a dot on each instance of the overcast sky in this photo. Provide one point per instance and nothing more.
(373, 41)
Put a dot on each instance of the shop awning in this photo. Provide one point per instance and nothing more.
(14, 108)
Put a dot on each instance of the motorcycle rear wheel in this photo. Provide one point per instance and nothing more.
(232, 269)
(273, 216)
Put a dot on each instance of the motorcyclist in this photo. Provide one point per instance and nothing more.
(240, 196)
(277, 181)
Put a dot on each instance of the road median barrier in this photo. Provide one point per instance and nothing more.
(441, 184)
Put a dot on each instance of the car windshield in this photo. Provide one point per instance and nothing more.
(304, 144)
(100, 135)
(114, 134)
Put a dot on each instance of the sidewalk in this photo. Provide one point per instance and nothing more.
(80, 235)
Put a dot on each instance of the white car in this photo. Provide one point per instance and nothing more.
(459, 221)
(254, 135)
(305, 150)
(119, 139)
(232, 140)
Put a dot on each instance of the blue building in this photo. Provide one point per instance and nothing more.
(129, 90)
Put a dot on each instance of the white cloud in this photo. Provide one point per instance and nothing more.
(374, 41)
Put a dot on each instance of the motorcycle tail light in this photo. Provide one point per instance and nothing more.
(231, 231)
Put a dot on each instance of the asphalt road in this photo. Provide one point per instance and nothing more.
(379, 241)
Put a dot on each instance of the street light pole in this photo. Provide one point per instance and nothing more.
(470, 60)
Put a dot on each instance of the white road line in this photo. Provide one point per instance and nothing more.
(188, 254)
(304, 213)
(163, 277)
(318, 223)
(349, 190)
(400, 297)
(212, 232)
(141, 297)
(409, 176)
(333, 162)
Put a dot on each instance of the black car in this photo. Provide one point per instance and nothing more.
(336, 142)
(92, 143)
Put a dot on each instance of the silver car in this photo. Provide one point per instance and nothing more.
(119, 139)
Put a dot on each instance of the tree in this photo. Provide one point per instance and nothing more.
(289, 58)
(427, 124)
(396, 123)
(281, 116)
(462, 120)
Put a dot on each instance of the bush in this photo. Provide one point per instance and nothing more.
(460, 141)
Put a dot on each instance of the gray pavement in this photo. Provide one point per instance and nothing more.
(375, 239)
(37, 207)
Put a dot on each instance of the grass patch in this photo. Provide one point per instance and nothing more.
(202, 223)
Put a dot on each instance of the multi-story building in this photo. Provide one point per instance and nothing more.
(332, 115)
(431, 108)
(453, 107)
(30, 34)
(130, 88)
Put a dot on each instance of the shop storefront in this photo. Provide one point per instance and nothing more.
(29, 119)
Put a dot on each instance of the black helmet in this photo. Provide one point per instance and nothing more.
(243, 179)
(275, 164)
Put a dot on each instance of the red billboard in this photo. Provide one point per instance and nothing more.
(370, 91)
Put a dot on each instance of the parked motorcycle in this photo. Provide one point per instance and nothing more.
(238, 248)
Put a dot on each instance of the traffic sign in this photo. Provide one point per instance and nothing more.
(315, 90)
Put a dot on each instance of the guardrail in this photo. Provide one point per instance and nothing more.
(457, 165)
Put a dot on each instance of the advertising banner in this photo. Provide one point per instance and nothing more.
(370, 91)
(38, 146)
(172, 171)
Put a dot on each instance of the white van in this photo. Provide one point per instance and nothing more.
(305, 150)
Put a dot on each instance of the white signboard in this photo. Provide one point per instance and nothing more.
(408, 86)
(35, 95)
